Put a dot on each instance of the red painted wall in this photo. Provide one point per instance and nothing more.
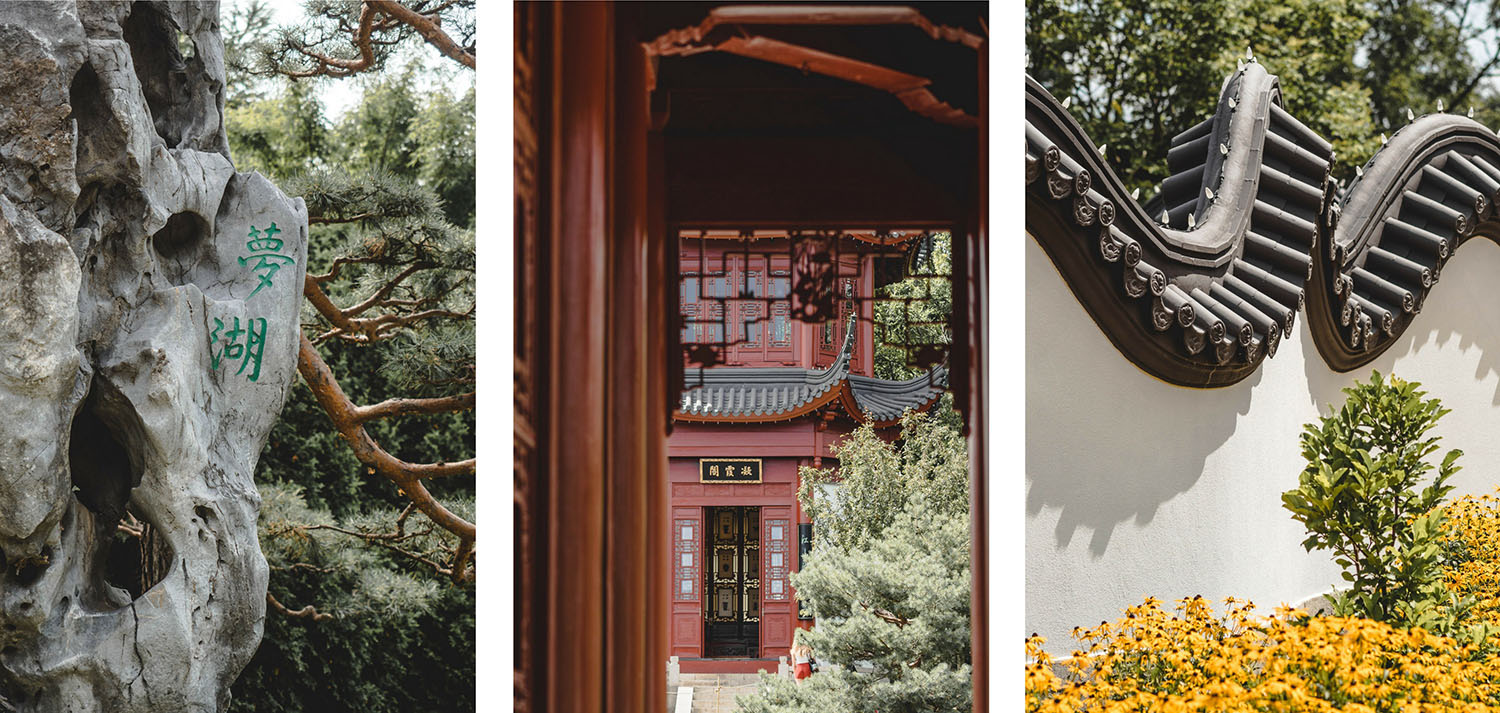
(776, 496)
(794, 439)
(713, 270)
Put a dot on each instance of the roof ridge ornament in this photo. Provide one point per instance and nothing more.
(1249, 268)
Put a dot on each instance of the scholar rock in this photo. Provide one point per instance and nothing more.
(149, 301)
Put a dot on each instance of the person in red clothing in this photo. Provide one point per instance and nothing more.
(801, 657)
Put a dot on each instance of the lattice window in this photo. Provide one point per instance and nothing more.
(781, 310)
(752, 312)
(717, 291)
(692, 330)
(687, 566)
(778, 559)
(752, 284)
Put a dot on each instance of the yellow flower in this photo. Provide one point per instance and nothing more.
(1195, 660)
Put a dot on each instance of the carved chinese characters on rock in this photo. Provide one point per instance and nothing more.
(238, 345)
(242, 345)
(265, 253)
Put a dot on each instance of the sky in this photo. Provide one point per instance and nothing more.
(340, 95)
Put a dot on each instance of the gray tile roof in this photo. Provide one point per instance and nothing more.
(1199, 283)
(763, 391)
(880, 400)
(776, 393)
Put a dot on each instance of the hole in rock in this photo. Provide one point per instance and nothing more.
(186, 47)
(28, 571)
(159, 65)
(104, 453)
(100, 138)
(136, 563)
(179, 244)
(101, 467)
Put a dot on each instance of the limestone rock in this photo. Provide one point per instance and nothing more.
(149, 299)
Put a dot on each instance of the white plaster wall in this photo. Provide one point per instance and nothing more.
(1135, 487)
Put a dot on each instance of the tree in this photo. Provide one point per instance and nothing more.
(912, 319)
(1359, 497)
(1420, 53)
(1140, 72)
(913, 313)
(346, 37)
(888, 578)
(387, 264)
(368, 509)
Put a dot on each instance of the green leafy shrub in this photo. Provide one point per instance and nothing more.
(888, 578)
(1359, 497)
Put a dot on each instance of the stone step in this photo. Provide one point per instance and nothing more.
(719, 699)
(718, 679)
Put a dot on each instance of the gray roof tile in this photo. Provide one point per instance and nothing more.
(770, 392)
(1231, 244)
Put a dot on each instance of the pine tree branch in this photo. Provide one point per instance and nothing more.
(406, 407)
(406, 476)
(338, 220)
(386, 289)
(888, 616)
(370, 329)
(307, 612)
(335, 67)
(390, 542)
(427, 26)
(338, 264)
(304, 567)
(129, 525)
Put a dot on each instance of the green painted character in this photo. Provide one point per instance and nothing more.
(265, 251)
(249, 351)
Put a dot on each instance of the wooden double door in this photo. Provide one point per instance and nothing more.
(732, 597)
(732, 582)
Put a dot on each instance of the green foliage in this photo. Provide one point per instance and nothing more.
(378, 131)
(1142, 71)
(444, 155)
(1359, 498)
(1421, 52)
(330, 31)
(279, 135)
(247, 25)
(394, 178)
(385, 609)
(888, 580)
(876, 481)
(914, 311)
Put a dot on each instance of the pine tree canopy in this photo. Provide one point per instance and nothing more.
(888, 578)
(371, 604)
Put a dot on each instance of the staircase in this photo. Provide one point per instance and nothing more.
(715, 692)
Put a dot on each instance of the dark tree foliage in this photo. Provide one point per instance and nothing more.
(359, 618)
(1139, 71)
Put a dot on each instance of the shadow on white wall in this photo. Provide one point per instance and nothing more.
(1462, 312)
(1108, 455)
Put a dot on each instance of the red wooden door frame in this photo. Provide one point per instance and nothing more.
(598, 520)
(778, 604)
(686, 616)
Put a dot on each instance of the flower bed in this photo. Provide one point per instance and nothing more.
(1191, 658)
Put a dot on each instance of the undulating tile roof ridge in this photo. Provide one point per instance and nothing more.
(763, 394)
(1198, 284)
